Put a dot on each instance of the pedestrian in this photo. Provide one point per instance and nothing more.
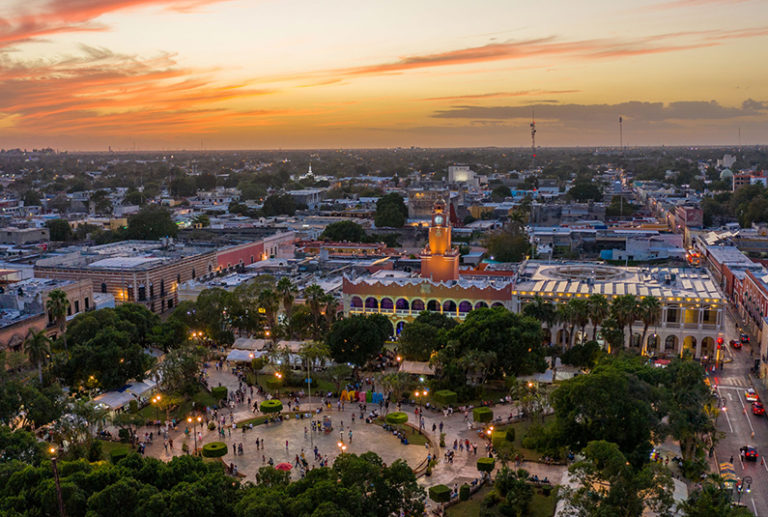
(234, 449)
(350, 435)
(441, 427)
(286, 446)
(170, 443)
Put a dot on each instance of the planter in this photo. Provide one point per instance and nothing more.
(485, 464)
(271, 406)
(482, 414)
(215, 449)
(440, 493)
(397, 418)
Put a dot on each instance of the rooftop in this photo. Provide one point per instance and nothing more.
(585, 278)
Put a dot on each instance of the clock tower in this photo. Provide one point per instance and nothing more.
(439, 261)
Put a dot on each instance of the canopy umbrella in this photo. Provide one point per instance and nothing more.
(284, 466)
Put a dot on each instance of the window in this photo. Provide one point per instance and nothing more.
(170, 303)
(193, 273)
(162, 305)
(178, 278)
(77, 306)
(103, 287)
(162, 287)
(69, 311)
(151, 291)
(251, 259)
(87, 303)
(142, 293)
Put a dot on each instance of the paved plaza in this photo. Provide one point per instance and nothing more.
(365, 437)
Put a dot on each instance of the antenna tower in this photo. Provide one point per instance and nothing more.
(621, 134)
(533, 139)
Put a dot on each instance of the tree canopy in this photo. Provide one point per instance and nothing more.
(343, 231)
(390, 211)
(152, 222)
(358, 339)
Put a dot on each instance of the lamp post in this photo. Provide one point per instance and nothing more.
(155, 402)
(342, 447)
(279, 377)
(746, 481)
(52, 450)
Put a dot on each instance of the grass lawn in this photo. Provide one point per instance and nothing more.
(107, 447)
(320, 386)
(181, 406)
(414, 437)
(520, 429)
(541, 506)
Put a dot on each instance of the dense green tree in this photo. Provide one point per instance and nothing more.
(424, 335)
(585, 190)
(500, 193)
(541, 310)
(513, 486)
(711, 499)
(599, 309)
(609, 404)
(343, 231)
(510, 244)
(17, 444)
(515, 339)
(610, 486)
(152, 222)
(358, 339)
(59, 230)
(179, 371)
(279, 205)
(31, 198)
(391, 211)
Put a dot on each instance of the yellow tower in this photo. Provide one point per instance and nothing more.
(439, 261)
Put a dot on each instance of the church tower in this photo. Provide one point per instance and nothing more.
(440, 261)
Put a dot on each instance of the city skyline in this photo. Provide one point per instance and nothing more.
(238, 74)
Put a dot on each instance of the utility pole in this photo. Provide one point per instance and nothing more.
(621, 135)
(52, 450)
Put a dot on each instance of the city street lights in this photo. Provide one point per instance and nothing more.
(342, 447)
(52, 450)
(746, 481)
(194, 433)
(420, 396)
(279, 377)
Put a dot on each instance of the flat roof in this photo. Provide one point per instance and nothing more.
(123, 262)
(585, 278)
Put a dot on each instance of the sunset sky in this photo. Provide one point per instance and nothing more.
(261, 74)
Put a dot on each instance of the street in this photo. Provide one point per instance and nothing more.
(738, 423)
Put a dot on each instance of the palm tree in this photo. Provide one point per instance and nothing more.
(268, 301)
(649, 310)
(331, 308)
(314, 296)
(580, 309)
(598, 311)
(541, 310)
(566, 317)
(287, 291)
(624, 310)
(37, 345)
(397, 383)
(58, 306)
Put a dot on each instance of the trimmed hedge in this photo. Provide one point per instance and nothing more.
(219, 393)
(215, 449)
(118, 454)
(464, 492)
(485, 464)
(445, 397)
(440, 493)
(482, 414)
(498, 438)
(271, 406)
(397, 418)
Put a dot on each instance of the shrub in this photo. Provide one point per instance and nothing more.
(440, 493)
(271, 406)
(258, 363)
(491, 499)
(124, 434)
(511, 434)
(482, 414)
(529, 442)
(118, 454)
(219, 393)
(498, 438)
(445, 397)
(273, 383)
(485, 464)
(464, 492)
(211, 425)
(397, 418)
(215, 449)
(442, 439)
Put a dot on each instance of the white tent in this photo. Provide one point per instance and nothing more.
(119, 398)
(237, 355)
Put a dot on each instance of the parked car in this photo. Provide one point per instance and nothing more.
(751, 395)
(758, 408)
(735, 344)
(744, 339)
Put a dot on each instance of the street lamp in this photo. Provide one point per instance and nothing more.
(342, 447)
(740, 488)
(156, 402)
(52, 450)
(279, 377)
(194, 433)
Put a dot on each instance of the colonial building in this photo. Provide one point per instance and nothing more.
(692, 315)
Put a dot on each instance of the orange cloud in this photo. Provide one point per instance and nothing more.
(60, 16)
(113, 92)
